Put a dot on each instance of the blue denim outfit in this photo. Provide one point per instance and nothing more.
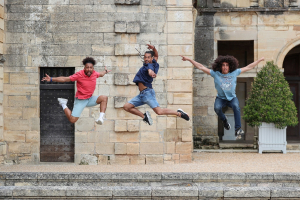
(147, 96)
(234, 104)
(225, 85)
(142, 76)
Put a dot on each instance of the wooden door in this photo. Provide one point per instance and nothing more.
(57, 133)
(292, 74)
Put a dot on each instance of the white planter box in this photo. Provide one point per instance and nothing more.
(271, 138)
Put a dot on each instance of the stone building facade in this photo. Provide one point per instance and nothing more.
(248, 30)
(45, 34)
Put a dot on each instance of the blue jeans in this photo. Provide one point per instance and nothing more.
(146, 96)
(234, 104)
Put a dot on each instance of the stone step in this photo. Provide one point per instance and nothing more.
(147, 179)
(186, 192)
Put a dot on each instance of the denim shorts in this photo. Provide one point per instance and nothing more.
(80, 104)
(146, 96)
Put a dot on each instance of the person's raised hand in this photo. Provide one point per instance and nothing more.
(150, 46)
(106, 69)
(184, 58)
(47, 78)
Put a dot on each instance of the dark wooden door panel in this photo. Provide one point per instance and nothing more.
(293, 132)
(291, 67)
(57, 133)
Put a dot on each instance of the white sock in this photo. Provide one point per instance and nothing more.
(64, 106)
(101, 115)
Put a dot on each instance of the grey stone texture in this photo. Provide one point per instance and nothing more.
(120, 101)
(120, 27)
(121, 79)
(151, 185)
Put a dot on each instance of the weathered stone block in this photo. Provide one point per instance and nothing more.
(120, 27)
(133, 125)
(151, 148)
(105, 148)
(133, 27)
(121, 125)
(133, 148)
(86, 159)
(184, 147)
(154, 159)
(120, 148)
(119, 160)
(121, 79)
(126, 49)
(129, 2)
(138, 160)
(102, 160)
(120, 101)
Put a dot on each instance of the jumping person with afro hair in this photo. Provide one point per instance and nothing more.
(224, 71)
(86, 84)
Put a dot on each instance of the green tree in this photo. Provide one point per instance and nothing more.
(270, 99)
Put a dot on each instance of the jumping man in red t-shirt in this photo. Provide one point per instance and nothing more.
(86, 84)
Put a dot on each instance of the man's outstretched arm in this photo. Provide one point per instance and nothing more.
(197, 65)
(104, 72)
(252, 65)
(60, 79)
(152, 47)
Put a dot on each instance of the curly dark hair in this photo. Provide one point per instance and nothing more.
(89, 60)
(232, 61)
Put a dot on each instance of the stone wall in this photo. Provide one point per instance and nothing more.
(2, 143)
(52, 33)
(274, 32)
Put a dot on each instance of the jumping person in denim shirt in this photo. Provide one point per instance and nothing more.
(143, 80)
(224, 71)
(86, 84)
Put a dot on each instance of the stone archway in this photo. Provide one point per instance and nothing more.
(285, 50)
(291, 66)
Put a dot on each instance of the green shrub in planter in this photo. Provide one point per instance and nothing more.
(270, 99)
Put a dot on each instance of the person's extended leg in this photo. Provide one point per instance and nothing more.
(166, 111)
(150, 99)
(63, 102)
(131, 108)
(234, 104)
(219, 104)
(102, 100)
(136, 102)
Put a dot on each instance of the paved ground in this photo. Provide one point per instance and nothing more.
(203, 162)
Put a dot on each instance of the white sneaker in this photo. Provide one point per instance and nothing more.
(99, 121)
(62, 101)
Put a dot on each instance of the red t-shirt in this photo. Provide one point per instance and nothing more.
(85, 85)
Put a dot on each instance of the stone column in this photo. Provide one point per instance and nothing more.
(2, 143)
(178, 138)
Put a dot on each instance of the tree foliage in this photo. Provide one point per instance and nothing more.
(270, 99)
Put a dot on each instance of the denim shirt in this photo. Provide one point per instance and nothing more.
(142, 76)
(225, 83)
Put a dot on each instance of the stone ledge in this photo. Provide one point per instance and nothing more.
(153, 176)
(127, 2)
(142, 191)
(254, 9)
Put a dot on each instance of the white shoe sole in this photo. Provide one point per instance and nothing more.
(179, 109)
(99, 122)
(149, 118)
(62, 100)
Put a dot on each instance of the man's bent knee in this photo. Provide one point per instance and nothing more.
(73, 119)
(127, 107)
(217, 109)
